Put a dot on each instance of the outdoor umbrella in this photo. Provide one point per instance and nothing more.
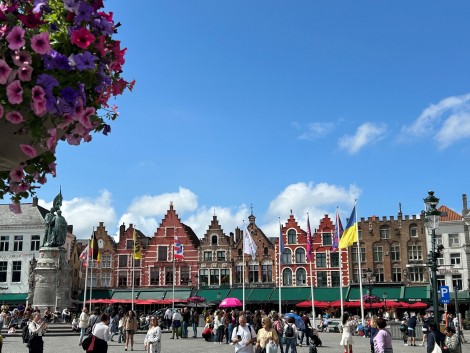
(196, 300)
(298, 321)
(230, 303)
(317, 303)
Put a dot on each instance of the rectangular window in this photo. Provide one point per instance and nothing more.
(154, 276)
(454, 240)
(301, 278)
(356, 275)
(162, 253)
(35, 242)
(438, 239)
(18, 243)
(130, 244)
(105, 279)
(413, 231)
(122, 279)
(395, 252)
(168, 275)
(253, 274)
(3, 271)
(136, 278)
(291, 237)
(334, 259)
(415, 252)
(300, 256)
(207, 255)
(327, 241)
(106, 261)
(380, 275)
(322, 279)
(359, 234)
(385, 233)
(355, 257)
(4, 243)
(416, 274)
(214, 277)
(16, 271)
(378, 253)
(184, 275)
(335, 279)
(396, 274)
(321, 260)
(221, 255)
(457, 282)
(287, 257)
(441, 281)
(455, 259)
(204, 277)
(122, 261)
(267, 273)
(225, 277)
(238, 274)
(92, 282)
(136, 261)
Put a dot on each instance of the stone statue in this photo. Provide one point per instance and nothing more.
(56, 226)
(49, 219)
(60, 229)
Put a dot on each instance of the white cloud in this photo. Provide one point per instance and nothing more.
(446, 121)
(86, 213)
(316, 130)
(366, 134)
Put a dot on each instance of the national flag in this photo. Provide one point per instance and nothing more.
(281, 244)
(94, 252)
(338, 232)
(309, 240)
(84, 256)
(249, 246)
(178, 249)
(137, 253)
(350, 233)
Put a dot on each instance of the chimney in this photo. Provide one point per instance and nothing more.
(232, 238)
(35, 201)
(464, 202)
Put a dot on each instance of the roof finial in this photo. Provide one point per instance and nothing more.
(251, 206)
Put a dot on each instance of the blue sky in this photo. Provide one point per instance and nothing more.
(302, 105)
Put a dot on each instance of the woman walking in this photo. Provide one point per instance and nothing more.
(383, 339)
(36, 330)
(83, 323)
(152, 341)
(130, 326)
(346, 338)
(265, 335)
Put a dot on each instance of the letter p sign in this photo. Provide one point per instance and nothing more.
(444, 294)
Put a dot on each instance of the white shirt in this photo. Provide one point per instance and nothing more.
(247, 333)
(101, 330)
(177, 316)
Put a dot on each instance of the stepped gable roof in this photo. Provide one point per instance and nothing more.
(451, 215)
(30, 215)
(256, 232)
(192, 236)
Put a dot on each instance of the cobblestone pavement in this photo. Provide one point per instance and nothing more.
(59, 344)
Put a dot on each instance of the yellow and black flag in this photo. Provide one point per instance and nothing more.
(137, 253)
(94, 251)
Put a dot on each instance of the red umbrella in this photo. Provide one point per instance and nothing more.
(317, 303)
(230, 303)
(418, 305)
(196, 300)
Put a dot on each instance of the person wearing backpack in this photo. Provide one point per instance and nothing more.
(243, 336)
(290, 334)
(36, 329)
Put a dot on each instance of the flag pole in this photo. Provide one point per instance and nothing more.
(279, 266)
(174, 272)
(360, 267)
(243, 267)
(91, 267)
(86, 273)
(340, 264)
(133, 271)
(309, 239)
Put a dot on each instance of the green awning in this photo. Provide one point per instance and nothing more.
(96, 294)
(13, 298)
(211, 294)
(156, 294)
(463, 296)
(238, 293)
(124, 294)
(260, 294)
(327, 294)
(291, 294)
(417, 293)
(393, 293)
(180, 294)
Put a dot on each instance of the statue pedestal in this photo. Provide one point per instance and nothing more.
(51, 278)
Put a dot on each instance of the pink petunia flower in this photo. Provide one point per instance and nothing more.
(4, 71)
(40, 43)
(24, 72)
(21, 57)
(23, 187)
(14, 117)
(15, 92)
(52, 139)
(39, 107)
(28, 150)
(17, 174)
(38, 94)
(73, 140)
(15, 207)
(15, 38)
(82, 38)
(84, 117)
(52, 169)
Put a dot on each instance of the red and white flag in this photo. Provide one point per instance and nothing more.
(84, 256)
(178, 249)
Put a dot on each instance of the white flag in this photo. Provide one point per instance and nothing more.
(249, 246)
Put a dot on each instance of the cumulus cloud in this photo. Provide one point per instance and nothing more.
(315, 131)
(366, 134)
(447, 121)
(86, 213)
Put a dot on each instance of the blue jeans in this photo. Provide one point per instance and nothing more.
(305, 333)
(82, 334)
(194, 329)
(229, 335)
(185, 329)
(291, 342)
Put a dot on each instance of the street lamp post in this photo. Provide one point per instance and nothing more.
(432, 221)
(385, 301)
(368, 275)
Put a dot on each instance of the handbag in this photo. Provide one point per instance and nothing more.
(87, 342)
(31, 339)
(436, 349)
(271, 347)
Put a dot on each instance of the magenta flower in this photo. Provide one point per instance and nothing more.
(29, 150)
(82, 38)
(21, 57)
(39, 107)
(38, 94)
(23, 187)
(40, 43)
(15, 38)
(17, 174)
(84, 117)
(15, 92)
(15, 207)
(52, 139)
(14, 117)
(24, 73)
(4, 71)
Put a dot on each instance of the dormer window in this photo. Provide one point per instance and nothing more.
(214, 239)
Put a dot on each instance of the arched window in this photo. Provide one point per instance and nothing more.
(300, 256)
(291, 236)
(287, 277)
(214, 240)
(240, 252)
(266, 251)
(253, 272)
(287, 256)
(300, 277)
(266, 271)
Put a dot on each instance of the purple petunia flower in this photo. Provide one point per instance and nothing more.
(84, 13)
(51, 103)
(69, 94)
(56, 61)
(15, 38)
(47, 82)
(102, 25)
(72, 5)
(38, 4)
(4, 71)
(64, 107)
(15, 92)
(83, 61)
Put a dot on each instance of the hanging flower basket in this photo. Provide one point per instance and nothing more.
(59, 66)
(370, 299)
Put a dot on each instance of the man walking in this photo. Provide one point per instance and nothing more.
(243, 336)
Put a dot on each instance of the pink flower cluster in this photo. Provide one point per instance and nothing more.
(59, 66)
